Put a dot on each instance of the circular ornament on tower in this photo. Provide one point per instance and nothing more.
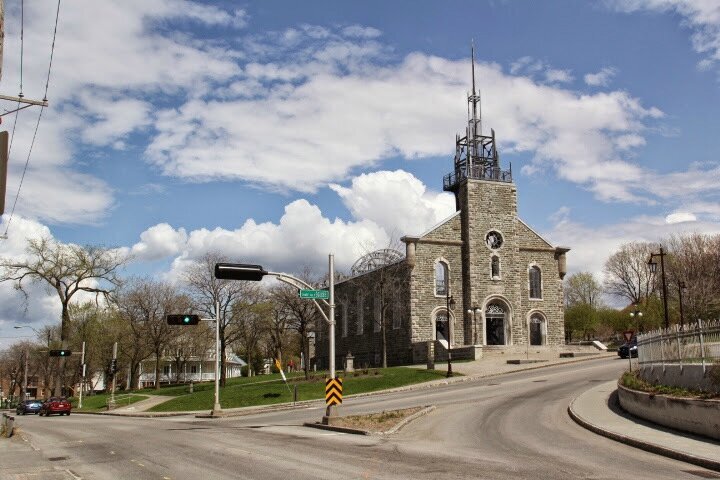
(493, 240)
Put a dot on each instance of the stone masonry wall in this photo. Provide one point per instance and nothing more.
(485, 206)
(425, 303)
(367, 346)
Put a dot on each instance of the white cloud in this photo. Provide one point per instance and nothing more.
(592, 245)
(601, 78)
(107, 57)
(396, 201)
(360, 31)
(701, 16)
(680, 217)
(159, 241)
(558, 76)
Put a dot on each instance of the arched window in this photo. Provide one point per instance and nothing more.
(535, 282)
(441, 278)
(495, 266)
(360, 313)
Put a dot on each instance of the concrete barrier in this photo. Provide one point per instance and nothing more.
(690, 375)
(701, 417)
(7, 426)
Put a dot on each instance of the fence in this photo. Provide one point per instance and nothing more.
(695, 344)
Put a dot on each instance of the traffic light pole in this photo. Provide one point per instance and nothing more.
(111, 404)
(255, 273)
(216, 408)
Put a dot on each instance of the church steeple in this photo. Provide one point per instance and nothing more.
(476, 155)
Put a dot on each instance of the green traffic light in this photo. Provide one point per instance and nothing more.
(186, 319)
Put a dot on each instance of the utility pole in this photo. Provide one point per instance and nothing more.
(24, 393)
(2, 33)
(82, 378)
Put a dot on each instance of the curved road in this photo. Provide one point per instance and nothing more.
(513, 426)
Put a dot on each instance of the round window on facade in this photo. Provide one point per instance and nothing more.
(494, 240)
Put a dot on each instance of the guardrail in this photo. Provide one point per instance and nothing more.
(694, 344)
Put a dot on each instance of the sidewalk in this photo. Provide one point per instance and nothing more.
(597, 410)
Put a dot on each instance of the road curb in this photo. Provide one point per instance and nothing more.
(357, 431)
(634, 442)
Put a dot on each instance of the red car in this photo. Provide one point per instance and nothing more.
(55, 405)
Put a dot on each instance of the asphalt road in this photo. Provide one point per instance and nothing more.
(513, 426)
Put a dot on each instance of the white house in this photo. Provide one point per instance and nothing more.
(193, 368)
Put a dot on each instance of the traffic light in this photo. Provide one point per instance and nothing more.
(60, 353)
(183, 319)
(239, 271)
(113, 366)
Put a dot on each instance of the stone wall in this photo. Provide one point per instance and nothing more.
(686, 414)
(390, 283)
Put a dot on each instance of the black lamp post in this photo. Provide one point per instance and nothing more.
(681, 287)
(450, 304)
(653, 268)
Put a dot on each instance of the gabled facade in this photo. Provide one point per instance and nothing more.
(480, 280)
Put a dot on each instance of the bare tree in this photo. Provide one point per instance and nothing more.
(301, 314)
(582, 287)
(628, 275)
(189, 343)
(206, 291)
(148, 302)
(67, 269)
(694, 260)
(252, 326)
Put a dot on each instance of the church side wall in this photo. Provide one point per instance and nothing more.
(551, 304)
(366, 348)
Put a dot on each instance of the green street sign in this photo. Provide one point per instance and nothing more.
(315, 294)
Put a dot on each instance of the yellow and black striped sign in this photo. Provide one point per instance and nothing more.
(333, 391)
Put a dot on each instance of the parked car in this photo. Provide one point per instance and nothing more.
(628, 349)
(28, 406)
(55, 405)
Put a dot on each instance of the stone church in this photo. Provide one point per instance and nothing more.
(480, 281)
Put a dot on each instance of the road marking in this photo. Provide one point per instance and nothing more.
(76, 477)
(112, 453)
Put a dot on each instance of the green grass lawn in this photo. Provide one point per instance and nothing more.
(98, 403)
(270, 389)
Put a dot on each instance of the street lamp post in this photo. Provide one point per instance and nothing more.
(653, 268)
(634, 314)
(450, 304)
(681, 287)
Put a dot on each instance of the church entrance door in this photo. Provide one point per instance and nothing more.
(536, 331)
(442, 332)
(495, 324)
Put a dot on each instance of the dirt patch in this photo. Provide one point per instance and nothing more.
(376, 422)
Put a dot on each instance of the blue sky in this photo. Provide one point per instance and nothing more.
(277, 132)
